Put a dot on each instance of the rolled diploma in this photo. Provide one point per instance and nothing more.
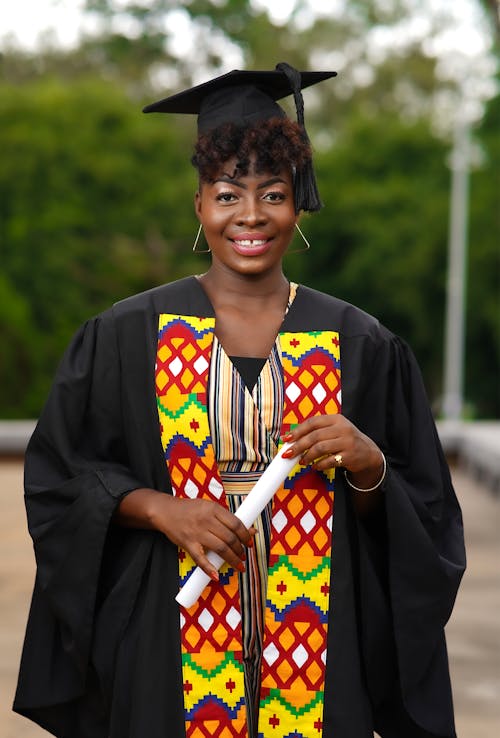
(248, 511)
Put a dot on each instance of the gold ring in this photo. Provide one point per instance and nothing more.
(338, 459)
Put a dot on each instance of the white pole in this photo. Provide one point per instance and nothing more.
(454, 360)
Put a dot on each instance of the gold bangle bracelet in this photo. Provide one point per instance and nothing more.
(375, 486)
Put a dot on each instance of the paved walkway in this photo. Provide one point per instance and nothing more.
(473, 634)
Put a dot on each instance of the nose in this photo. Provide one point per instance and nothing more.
(251, 212)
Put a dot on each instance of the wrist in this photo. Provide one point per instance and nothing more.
(140, 508)
(369, 481)
(156, 509)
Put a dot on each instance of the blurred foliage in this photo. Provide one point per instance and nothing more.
(381, 240)
(96, 199)
(493, 8)
(88, 188)
(483, 298)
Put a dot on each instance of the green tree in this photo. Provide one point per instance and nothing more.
(380, 242)
(96, 199)
(483, 289)
(95, 204)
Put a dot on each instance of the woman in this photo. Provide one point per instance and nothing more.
(327, 619)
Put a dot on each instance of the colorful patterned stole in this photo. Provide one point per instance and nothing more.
(294, 654)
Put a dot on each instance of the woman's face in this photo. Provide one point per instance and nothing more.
(248, 220)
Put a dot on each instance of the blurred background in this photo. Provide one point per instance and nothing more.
(96, 203)
(96, 198)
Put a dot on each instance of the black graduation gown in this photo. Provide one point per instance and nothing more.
(101, 657)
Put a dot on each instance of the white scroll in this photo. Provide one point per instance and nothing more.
(249, 510)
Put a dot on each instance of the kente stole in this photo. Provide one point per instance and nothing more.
(296, 620)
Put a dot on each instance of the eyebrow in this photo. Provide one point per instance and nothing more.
(238, 183)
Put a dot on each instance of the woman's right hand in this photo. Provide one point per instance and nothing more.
(197, 526)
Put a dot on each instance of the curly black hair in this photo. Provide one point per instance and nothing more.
(276, 143)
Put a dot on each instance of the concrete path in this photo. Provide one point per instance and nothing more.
(473, 633)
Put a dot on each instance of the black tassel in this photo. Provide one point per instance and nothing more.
(305, 187)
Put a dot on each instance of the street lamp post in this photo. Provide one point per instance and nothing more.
(454, 360)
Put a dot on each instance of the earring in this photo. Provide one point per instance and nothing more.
(199, 251)
(308, 245)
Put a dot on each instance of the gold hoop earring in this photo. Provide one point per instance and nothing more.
(308, 245)
(199, 251)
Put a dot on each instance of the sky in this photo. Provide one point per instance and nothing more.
(27, 20)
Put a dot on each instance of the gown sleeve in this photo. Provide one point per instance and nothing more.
(75, 475)
(413, 551)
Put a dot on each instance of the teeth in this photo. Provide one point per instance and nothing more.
(247, 242)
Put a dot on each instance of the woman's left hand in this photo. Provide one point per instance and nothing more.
(327, 441)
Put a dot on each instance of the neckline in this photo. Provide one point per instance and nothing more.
(293, 290)
(292, 297)
(249, 368)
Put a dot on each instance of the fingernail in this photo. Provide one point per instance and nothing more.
(287, 437)
(214, 575)
(288, 454)
(241, 567)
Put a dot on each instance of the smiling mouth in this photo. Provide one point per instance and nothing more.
(250, 242)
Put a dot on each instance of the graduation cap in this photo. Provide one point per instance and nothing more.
(246, 98)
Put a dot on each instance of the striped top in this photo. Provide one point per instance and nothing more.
(245, 428)
(245, 425)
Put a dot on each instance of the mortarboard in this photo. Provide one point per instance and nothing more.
(247, 97)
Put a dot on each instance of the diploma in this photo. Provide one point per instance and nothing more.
(250, 509)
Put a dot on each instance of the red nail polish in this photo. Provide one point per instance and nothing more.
(214, 575)
(287, 437)
(288, 454)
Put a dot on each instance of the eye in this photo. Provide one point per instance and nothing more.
(275, 196)
(226, 197)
